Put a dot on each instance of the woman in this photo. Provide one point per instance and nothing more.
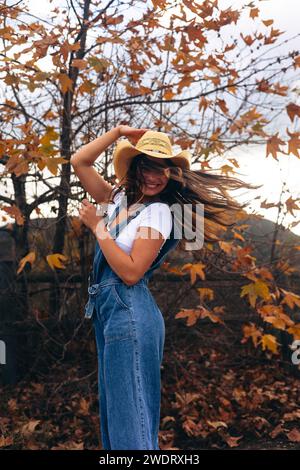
(131, 243)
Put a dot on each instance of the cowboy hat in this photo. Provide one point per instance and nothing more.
(152, 143)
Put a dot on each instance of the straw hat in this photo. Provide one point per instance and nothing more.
(152, 143)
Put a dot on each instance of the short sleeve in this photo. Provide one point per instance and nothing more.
(157, 216)
(117, 197)
(111, 206)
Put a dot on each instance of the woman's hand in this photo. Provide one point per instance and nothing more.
(133, 134)
(88, 216)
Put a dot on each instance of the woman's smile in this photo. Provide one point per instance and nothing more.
(152, 185)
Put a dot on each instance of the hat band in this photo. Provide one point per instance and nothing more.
(150, 149)
(153, 142)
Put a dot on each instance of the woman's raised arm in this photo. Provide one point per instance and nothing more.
(82, 161)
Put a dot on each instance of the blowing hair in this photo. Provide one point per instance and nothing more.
(187, 188)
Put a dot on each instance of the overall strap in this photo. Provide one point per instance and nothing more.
(115, 231)
(169, 245)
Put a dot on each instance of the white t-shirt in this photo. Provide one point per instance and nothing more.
(157, 215)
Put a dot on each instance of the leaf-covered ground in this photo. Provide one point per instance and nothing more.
(216, 393)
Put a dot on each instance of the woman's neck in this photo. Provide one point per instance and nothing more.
(150, 198)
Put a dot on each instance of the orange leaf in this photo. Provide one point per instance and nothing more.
(268, 22)
(276, 431)
(204, 103)
(48, 137)
(226, 169)
(30, 258)
(52, 164)
(225, 246)
(217, 424)
(169, 94)
(251, 331)
(191, 314)
(79, 63)
(234, 162)
(30, 427)
(55, 259)
(204, 313)
(17, 165)
(293, 110)
(294, 143)
(205, 293)
(222, 105)
(254, 12)
(290, 299)
(266, 205)
(295, 331)
(65, 82)
(294, 435)
(195, 269)
(273, 146)
(291, 205)
(14, 212)
(254, 290)
(238, 236)
(232, 441)
(84, 407)
(249, 40)
(269, 342)
(276, 322)
(6, 441)
(297, 62)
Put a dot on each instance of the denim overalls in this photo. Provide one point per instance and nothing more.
(130, 333)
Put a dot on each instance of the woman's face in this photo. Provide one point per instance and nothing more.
(155, 180)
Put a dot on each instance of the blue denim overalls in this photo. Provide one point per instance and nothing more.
(130, 334)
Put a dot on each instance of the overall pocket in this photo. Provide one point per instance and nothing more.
(120, 292)
(114, 307)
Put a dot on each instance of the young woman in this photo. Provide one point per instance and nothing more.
(132, 240)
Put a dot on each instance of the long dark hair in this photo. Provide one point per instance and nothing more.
(220, 210)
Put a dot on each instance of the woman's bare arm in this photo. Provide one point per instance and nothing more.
(130, 268)
(82, 161)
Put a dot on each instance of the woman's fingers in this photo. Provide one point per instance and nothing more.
(133, 131)
(139, 132)
(136, 135)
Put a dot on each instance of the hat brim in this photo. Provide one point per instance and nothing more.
(125, 152)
